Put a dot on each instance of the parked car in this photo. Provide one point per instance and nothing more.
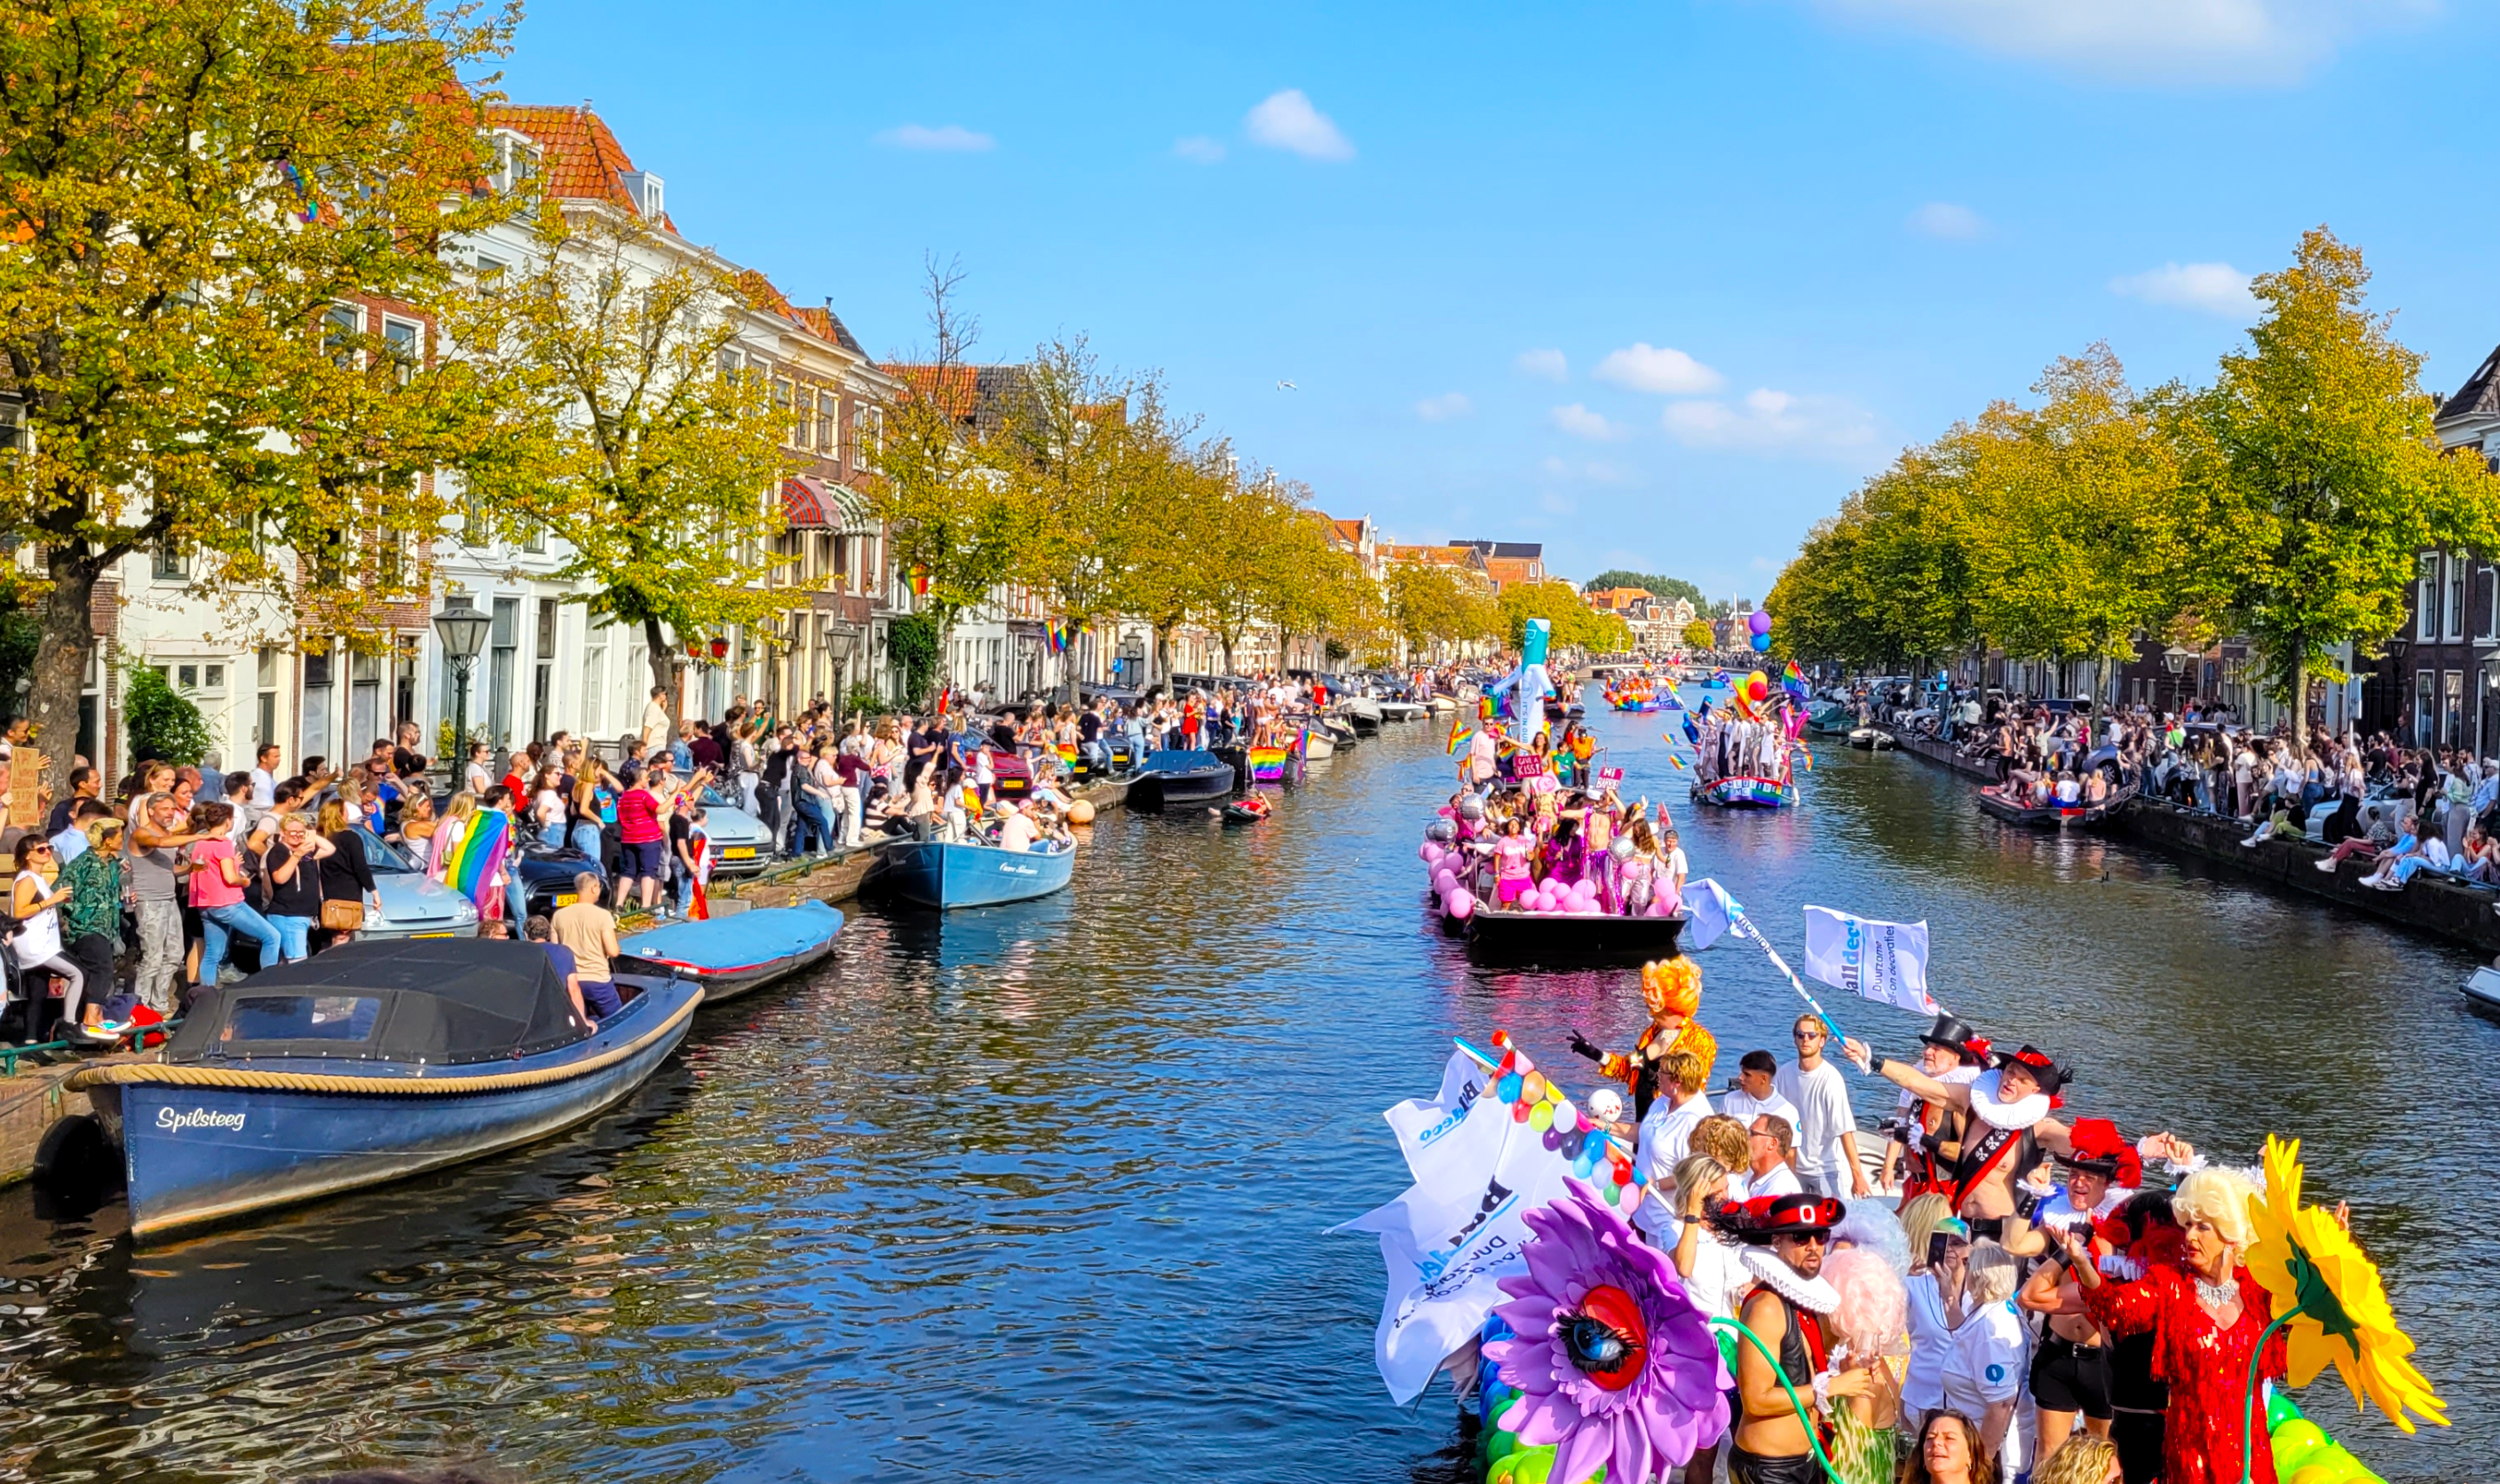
(413, 905)
(741, 845)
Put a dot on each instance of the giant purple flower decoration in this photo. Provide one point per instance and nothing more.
(1614, 1362)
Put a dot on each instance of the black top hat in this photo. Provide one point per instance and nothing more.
(1764, 1217)
(1956, 1037)
(2050, 1076)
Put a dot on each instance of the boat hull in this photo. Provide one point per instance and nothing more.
(745, 952)
(203, 1156)
(1741, 792)
(937, 873)
(1571, 937)
(1164, 790)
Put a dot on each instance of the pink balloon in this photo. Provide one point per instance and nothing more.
(1446, 880)
(1424, 851)
(1460, 903)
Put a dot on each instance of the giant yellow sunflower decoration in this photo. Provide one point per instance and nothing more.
(2326, 1294)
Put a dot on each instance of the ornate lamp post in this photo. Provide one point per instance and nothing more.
(2175, 660)
(462, 629)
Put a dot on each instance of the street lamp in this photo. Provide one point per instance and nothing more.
(462, 629)
(2175, 660)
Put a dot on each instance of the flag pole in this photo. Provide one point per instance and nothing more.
(1743, 927)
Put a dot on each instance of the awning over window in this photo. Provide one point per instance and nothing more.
(810, 503)
(805, 505)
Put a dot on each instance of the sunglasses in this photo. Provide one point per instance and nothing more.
(1806, 1035)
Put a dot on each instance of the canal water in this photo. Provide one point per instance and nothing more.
(1038, 1192)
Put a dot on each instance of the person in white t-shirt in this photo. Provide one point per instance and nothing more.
(1769, 1146)
(1666, 1135)
(1677, 866)
(1990, 1358)
(264, 776)
(1015, 831)
(1757, 1090)
(1826, 1148)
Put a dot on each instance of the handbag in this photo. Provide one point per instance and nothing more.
(342, 913)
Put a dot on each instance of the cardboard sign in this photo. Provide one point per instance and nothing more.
(25, 786)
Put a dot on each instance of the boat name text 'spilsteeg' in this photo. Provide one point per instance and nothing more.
(198, 1118)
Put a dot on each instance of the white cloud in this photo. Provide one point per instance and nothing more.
(2238, 40)
(1947, 221)
(1285, 121)
(1775, 423)
(1581, 422)
(1647, 368)
(1444, 407)
(1197, 149)
(1545, 365)
(946, 138)
(2215, 288)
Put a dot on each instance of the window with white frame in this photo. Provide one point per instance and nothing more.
(400, 337)
(828, 422)
(2457, 565)
(2427, 598)
(341, 324)
(169, 563)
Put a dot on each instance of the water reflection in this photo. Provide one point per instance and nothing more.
(1036, 1190)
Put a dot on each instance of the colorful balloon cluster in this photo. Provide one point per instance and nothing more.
(1755, 689)
(2303, 1453)
(1541, 1105)
(1444, 863)
(1760, 623)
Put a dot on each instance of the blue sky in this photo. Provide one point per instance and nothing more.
(1654, 284)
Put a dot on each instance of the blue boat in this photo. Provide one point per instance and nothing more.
(734, 954)
(1180, 776)
(937, 873)
(370, 1063)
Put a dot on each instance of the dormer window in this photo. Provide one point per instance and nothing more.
(643, 189)
(517, 160)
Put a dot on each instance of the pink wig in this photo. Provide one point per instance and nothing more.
(1874, 1307)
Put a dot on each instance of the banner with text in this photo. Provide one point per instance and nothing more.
(1881, 961)
(1449, 1240)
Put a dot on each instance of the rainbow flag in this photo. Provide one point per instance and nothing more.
(1805, 759)
(1675, 762)
(469, 863)
(1068, 753)
(1458, 735)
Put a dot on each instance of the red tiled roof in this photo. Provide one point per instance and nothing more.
(582, 157)
(1506, 570)
(1348, 531)
(761, 293)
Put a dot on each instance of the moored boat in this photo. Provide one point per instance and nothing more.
(1179, 777)
(1403, 711)
(370, 1063)
(1870, 739)
(1364, 714)
(729, 955)
(1830, 719)
(1318, 742)
(949, 874)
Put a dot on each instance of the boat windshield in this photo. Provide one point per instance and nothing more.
(302, 1018)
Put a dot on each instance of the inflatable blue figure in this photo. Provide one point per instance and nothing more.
(1520, 693)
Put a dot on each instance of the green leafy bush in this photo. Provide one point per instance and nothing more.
(162, 724)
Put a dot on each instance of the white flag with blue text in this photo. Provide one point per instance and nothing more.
(1881, 961)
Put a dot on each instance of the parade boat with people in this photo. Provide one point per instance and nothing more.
(1639, 1311)
(735, 954)
(370, 1063)
(2085, 797)
(1745, 751)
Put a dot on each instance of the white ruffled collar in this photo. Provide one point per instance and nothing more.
(1773, 1273)
(2019, 1114)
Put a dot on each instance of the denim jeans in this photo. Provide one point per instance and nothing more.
(552, 835)
(517, 898)
(294, 936)
(217, 924)
(586, 839)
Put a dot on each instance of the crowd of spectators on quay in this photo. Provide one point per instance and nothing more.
(2399, 811)
(134, 895)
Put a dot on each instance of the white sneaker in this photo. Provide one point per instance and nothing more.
(2327, 866)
